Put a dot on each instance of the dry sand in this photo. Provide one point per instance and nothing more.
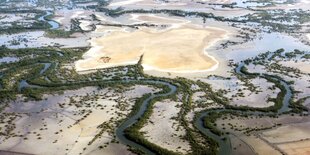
(301, 4)
(176, 50)
(296, 148)
(236, 87)
(121, 3)
(259, 146)
(288, 133)
(64, 17)
(174, 22)
(303, 66)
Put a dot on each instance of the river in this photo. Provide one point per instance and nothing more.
(54, 25)
(224, 145)
(133, 119)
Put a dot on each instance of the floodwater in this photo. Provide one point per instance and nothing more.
(263, 43)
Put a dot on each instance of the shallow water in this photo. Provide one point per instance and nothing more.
(46, 66)
(24, 84)
(8, 59)
(54, 25)
(263, 43)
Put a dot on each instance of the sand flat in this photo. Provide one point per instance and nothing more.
(151, 18)
(176, 50)
(288, 133)
(259, 146)
(121, 3)
(296, 148)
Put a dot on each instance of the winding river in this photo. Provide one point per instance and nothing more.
(54, 25)
(133, 119)
(224, 145)
(23, 83)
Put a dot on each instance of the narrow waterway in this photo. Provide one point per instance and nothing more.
(224, 141)
(54, 25)
(46, 66)
(23, 83)
(133, 119)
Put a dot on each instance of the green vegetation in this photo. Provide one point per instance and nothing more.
(58, 33)
(209, 122)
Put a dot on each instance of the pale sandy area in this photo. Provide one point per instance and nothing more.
(85, 25)
(175, 22)
(301, 83)
(259, 146)
(176, 50)
(57, 125)
(182, 5)
(162, 130)
(38, 39)
(121, 3)
(86, 4)
(234, 86)
(303, 66)
(218, 1)
(239, 146)
(16, 17)
(296, 148)
(64, 16)
(201, 100)
(259, 99)
(10, 17)
(288, 133)
(285, 132)
(300, 4)
(251, 143)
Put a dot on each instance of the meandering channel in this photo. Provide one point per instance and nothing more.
(54, 25)
(133, 119)
(224, 145)
(120, 131)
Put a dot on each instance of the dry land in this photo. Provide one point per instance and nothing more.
(177, 50)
